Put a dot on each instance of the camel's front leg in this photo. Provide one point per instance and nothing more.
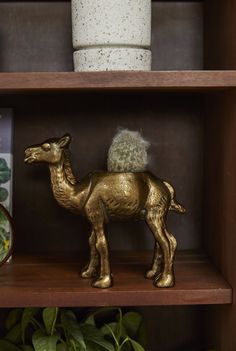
(90, 270)
(104, 280)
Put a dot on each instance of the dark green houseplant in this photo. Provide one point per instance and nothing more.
(54, 329)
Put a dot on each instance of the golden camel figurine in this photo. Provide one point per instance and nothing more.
(104, 196)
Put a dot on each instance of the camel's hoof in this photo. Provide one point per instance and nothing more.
(88, 273)
(151, 274)
(103, 282)
(165, 281)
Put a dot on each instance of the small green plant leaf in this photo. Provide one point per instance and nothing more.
(14, 335)
(90, 320)
(132, 322)
(108, 328)
(3, 194)
(8, 346)
(27, 318)
(50, 318)
(5, 172)
(43, 342)
(136, 346)
(94, 335)
(13, 317)
(72, 328)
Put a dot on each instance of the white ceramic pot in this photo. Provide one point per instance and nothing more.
(111, 34)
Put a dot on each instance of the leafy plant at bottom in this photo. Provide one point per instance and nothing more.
(125, 331)
(54, 329)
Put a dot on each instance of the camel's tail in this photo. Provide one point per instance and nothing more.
(174, 205)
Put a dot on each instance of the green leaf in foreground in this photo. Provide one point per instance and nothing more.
(132, 322)
(136, 346)
(43, 342)
(13, 317)
(8, 346)
(14, 335)
(49, 318)
(27, 318)
(94, 335)
(72, 328)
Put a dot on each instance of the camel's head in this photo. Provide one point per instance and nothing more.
(49, 151)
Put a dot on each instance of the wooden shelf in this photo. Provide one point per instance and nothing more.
(55, 281)
(143, 81)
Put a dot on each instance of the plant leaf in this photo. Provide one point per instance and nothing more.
(13, 317)
(136, 346)
(27, 318)
(5, 172)
(90, 320)
(43, 342)
(14, 335)
(119, 329)
(132, 322)
(3, 194)
(94, 335)
(72, 327)
(108, 328)
(49, 318)
(8, 346)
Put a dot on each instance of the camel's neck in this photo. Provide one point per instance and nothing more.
(63, 181)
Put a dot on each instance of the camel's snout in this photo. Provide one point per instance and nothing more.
(29, 156)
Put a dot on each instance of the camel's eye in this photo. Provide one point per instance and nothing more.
(46, 147)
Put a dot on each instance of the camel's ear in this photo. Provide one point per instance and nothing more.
(64, 141)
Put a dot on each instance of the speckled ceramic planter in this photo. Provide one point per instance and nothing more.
(111, 34)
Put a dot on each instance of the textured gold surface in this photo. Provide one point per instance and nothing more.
(112, 196)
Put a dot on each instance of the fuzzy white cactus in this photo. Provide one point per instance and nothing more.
(128, 152)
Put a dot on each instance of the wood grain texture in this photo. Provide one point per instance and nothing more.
(158, 81)
(220, 218)
(220, 209)
(55, 281)
(220, 31)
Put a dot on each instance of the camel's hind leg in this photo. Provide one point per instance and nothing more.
(156, 221)
(90, 270)
(104, 280)
(157, 262)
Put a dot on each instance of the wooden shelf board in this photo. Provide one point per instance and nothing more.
(154, 80)
(55, 281)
